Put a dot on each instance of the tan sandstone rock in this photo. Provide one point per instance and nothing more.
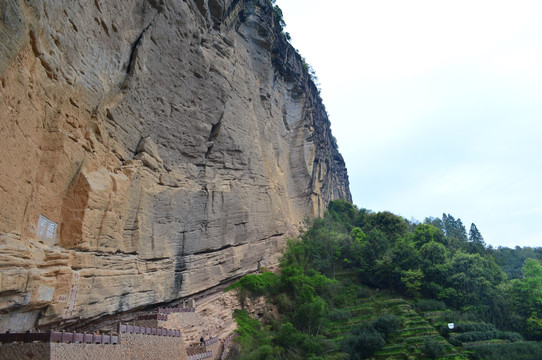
(150, 150)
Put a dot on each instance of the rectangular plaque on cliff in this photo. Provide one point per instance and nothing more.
(47, 230)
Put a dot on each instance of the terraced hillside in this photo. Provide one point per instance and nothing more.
(353, 321)
(343, 292)
(412, 341)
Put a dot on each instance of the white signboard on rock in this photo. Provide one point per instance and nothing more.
(47, 230)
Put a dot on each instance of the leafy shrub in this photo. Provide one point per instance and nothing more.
(517, 351)
(444, 330)
(309, 315)
(433, 349)
(386, 324)
(285, 303)
(466, 327)
(510, 336)
(288, 336)
(362, 342)
(339, 315)
(338, 356)
(258, 284)
(448, 316)
(471, 336)
(430, 305)
(312, 345)
(263, 352)
(363, 292)
(246, 326)
(483, 335)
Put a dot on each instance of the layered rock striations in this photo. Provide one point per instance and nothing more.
(151, 149)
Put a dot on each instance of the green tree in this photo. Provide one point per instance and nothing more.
(474, 280)
(526, 295)
(424, 233)
(436, 268)
(412, 281)
(527, 291)
(289, 337)
(405, 254)
(369, 253)
(454, 228)
(358, 235)
(512, 260)
(343, 212)
(476, 241)
(390, 224)
(433, 253)
(436, 222)
(309, 314)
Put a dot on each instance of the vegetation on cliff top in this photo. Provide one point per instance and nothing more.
(359, 284)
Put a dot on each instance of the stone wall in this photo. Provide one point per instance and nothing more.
(132, 347)
(192, 324)
(226, 346)
(216, 348)
(149, 323)
(31, 351)
(146, 347)
(90, 352)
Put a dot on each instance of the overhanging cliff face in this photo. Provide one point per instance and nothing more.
(151, 149)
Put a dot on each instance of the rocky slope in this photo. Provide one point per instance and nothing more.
(151, 149)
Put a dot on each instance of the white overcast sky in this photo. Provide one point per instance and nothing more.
(436, 105)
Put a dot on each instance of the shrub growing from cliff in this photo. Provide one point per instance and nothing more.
(279, 19)
(258, 284)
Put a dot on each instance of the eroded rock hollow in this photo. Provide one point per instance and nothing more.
(151, 149)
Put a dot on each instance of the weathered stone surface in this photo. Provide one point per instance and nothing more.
(175, 145)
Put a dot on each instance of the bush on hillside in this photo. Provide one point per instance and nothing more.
(339, 315)
(386, 324)
(517, 351)
(362, 342)
(433, 349)
(430, 305)
(471, 336)
(462, 327)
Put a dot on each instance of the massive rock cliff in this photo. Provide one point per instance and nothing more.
(151, 149)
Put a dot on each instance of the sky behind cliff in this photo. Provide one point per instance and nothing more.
(436, 106)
